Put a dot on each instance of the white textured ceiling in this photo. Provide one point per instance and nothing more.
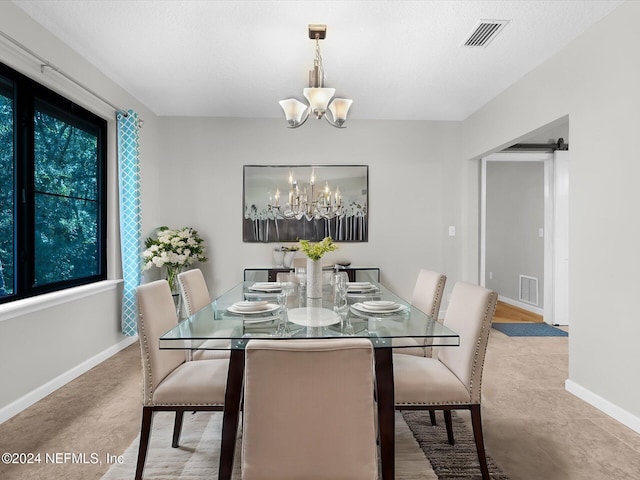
(399, 60)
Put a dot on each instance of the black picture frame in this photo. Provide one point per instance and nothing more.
(287, 203)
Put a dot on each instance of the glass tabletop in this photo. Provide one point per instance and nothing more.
(282, 311)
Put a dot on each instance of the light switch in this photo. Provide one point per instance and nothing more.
(541, 232)
(452, 230)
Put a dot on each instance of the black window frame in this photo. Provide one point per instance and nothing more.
(26, 94)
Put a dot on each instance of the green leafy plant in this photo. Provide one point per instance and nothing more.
(315, 251)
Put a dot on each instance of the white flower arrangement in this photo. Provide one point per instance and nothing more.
(173, 249)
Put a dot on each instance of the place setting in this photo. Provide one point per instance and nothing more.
(378, 308)
(266, 287)
(263, 290)
(361, 288)
(255, 312)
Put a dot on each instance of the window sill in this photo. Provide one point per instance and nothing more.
(48, 300)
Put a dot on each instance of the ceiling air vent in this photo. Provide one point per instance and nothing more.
(484, 32)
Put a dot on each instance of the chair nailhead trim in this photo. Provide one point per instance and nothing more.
(147, 365)
(488, 312)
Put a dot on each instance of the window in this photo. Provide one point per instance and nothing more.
(52, 190)
(7, 182)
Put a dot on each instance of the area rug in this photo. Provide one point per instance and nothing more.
(459, 461)
(198, 455)
(529, 330)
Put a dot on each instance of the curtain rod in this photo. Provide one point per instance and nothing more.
(44, 63)
(559, 145)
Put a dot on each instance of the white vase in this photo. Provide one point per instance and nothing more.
(278, 258)
(314, 278)
(288, 258)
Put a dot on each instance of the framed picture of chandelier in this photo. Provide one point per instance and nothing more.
(287, 203)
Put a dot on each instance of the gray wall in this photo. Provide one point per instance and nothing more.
(592, 84)
(49, 339)
(201, 171)
(514, 214)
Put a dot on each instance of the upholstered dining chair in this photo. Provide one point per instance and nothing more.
(195, 293)
(428, 290)
(309, 410)
(171, 383)
(427, 296)
(452, 379)
(194, 290)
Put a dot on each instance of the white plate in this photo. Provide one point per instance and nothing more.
(360, 284)
(313, 316)
(254, 320)
(247, 305)
(363, 308)
(269, 307)
(363, 289)
(265, 289)
(261, 294)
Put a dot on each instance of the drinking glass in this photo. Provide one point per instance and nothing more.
(301, 275)
(287, 283)
(282, 329)
(342, 310)
(341, 306)
(287, 287)
(341, 284)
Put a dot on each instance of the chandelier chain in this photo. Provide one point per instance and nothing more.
(318, 59)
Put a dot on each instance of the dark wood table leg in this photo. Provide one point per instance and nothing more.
(386, 410)
(232, 399)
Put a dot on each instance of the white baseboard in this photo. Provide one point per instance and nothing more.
(619, 414)
(522, 305)
(43, 390)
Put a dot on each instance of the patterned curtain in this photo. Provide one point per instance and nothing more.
(130, 222)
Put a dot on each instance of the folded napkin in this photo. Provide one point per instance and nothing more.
(360, 286)
(380, 305)
(383, 308)
(250, 304)
(247, 306)
(266, 286)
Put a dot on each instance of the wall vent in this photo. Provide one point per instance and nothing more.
(529, 289)
(484, 32)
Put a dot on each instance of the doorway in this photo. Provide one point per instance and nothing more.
(524, 254)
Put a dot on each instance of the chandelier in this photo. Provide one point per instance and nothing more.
(297, 113)
(308, 201)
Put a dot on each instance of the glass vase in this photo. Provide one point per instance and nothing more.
(172, 279)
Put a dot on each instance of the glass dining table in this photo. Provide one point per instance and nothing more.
(282, 311)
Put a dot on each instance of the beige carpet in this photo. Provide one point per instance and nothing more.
(198, 454)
